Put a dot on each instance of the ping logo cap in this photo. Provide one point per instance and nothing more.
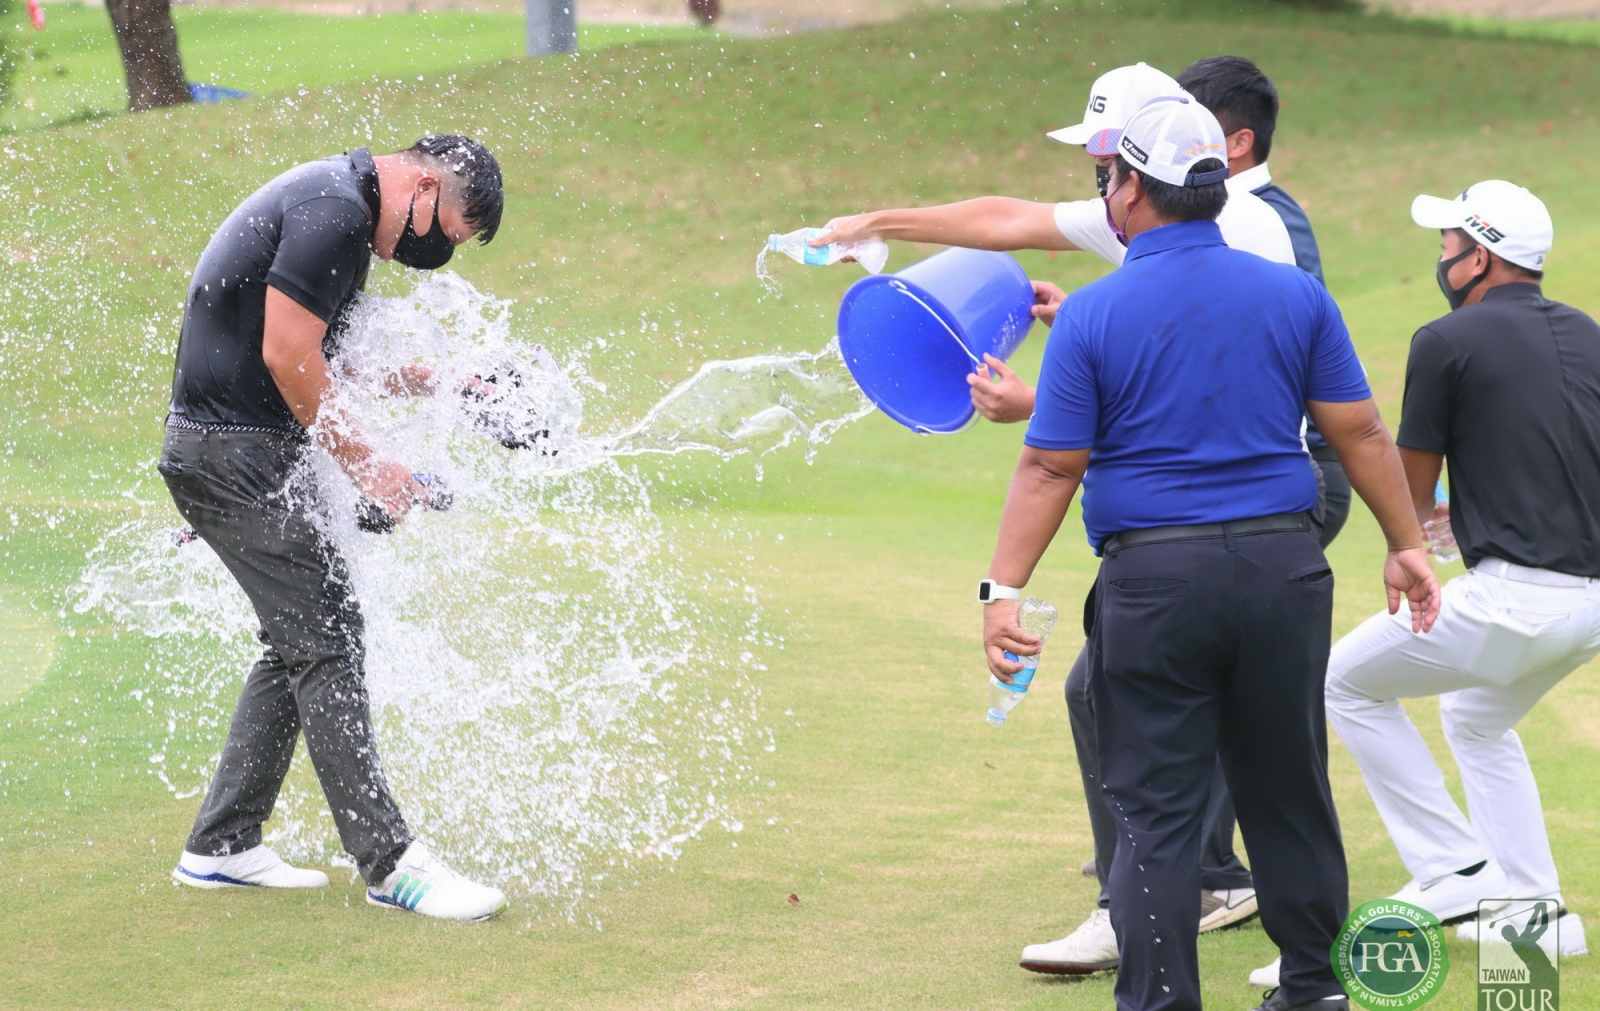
(1505, 218)
(1113, 100)
(1169, 136)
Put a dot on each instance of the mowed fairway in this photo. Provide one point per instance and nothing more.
(925, 847)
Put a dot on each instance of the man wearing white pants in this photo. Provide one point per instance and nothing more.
(1507, 387)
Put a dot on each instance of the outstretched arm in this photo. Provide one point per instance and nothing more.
(1357, 434)
(1000, 223)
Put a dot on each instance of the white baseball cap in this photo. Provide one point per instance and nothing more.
(1113, 100)
(1169, 136)
(1505, 218)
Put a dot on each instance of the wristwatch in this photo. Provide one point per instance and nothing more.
(990, 591)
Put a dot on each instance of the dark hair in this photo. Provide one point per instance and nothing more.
(1537, 275)
(484, 194)
(1182, 203)
(1238, 94)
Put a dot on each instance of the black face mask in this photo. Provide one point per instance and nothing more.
(424, 252)
(1457, 297)
(1102, 178)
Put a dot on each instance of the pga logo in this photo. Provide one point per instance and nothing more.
(1484, 229)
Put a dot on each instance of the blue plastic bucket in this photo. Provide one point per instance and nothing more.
(910, 339)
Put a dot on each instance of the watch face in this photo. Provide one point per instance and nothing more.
(983, 590)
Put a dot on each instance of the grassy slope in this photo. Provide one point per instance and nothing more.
(72, 69)
(926, 848)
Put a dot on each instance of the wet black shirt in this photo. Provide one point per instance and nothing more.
(307, 233)
(1509, 391)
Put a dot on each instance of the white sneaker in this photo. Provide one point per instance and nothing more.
(1456, 896)
(1226, 908)
(257, 867)
(1267, 975)
(1090, 948)
(420, 883)
(1569, 928)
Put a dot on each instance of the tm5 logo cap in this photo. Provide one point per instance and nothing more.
(1113, 100)
(1505, 218)
(1170, 136)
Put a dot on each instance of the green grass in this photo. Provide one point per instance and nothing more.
(72, 69)
(926, 848)
(1581, 32)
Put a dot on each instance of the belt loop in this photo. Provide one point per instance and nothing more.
(1227, 535)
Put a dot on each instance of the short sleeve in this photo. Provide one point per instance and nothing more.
(1425, 412)
(323, 245)
(1335, 375)
(1083, 222)
(1066, 408)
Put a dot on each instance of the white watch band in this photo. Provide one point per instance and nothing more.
(990, 591)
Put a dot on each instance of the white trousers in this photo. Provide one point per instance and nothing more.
(1506, 634)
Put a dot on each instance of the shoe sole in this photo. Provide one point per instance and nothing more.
(183, 877)
(192, 880)
(458, 919)
(1224, 917)
(1068, 968)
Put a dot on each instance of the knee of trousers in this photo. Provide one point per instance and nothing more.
(1460, 728)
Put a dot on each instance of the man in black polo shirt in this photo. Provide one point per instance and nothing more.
(251, 397)
(1507, 388)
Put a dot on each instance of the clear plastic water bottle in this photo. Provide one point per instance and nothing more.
(1441, 539)
(1035, 616)
(873, 255)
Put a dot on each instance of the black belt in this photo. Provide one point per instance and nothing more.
(1278, 524)
(179, 421)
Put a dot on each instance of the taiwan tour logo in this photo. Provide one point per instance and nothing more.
(1391, 955)
(1519, 953)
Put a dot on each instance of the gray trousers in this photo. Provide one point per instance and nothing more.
(230, 486)
(1219, 866)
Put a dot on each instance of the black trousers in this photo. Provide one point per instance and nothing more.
(1201, 648)
(231, 487)
(1219, 865)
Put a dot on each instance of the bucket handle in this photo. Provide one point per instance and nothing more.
(899, 286)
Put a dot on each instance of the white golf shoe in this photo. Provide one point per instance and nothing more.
(1267, 975)
(1456, 896)
(1226, 908)
(420, 883)
(1569, 928)
(257, 867)
(1090, 948)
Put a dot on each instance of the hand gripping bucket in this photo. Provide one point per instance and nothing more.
(910, 339)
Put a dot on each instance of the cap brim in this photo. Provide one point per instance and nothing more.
(1078, 134)
(1436, 212)
(1100, 143)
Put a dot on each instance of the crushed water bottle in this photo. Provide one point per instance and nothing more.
(1441, 539)
(873, 255)
(1035, 616)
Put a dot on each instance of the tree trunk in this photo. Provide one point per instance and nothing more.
(149, 44)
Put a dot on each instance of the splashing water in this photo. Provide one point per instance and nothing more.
(561, 678)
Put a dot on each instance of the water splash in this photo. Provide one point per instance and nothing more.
(562, 677)
(752, 405)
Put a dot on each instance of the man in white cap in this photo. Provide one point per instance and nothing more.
(1009, 224)
(1507, 388)
(1172, 391)
(1247, 223)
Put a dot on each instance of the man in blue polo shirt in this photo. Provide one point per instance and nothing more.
(1183, 377)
